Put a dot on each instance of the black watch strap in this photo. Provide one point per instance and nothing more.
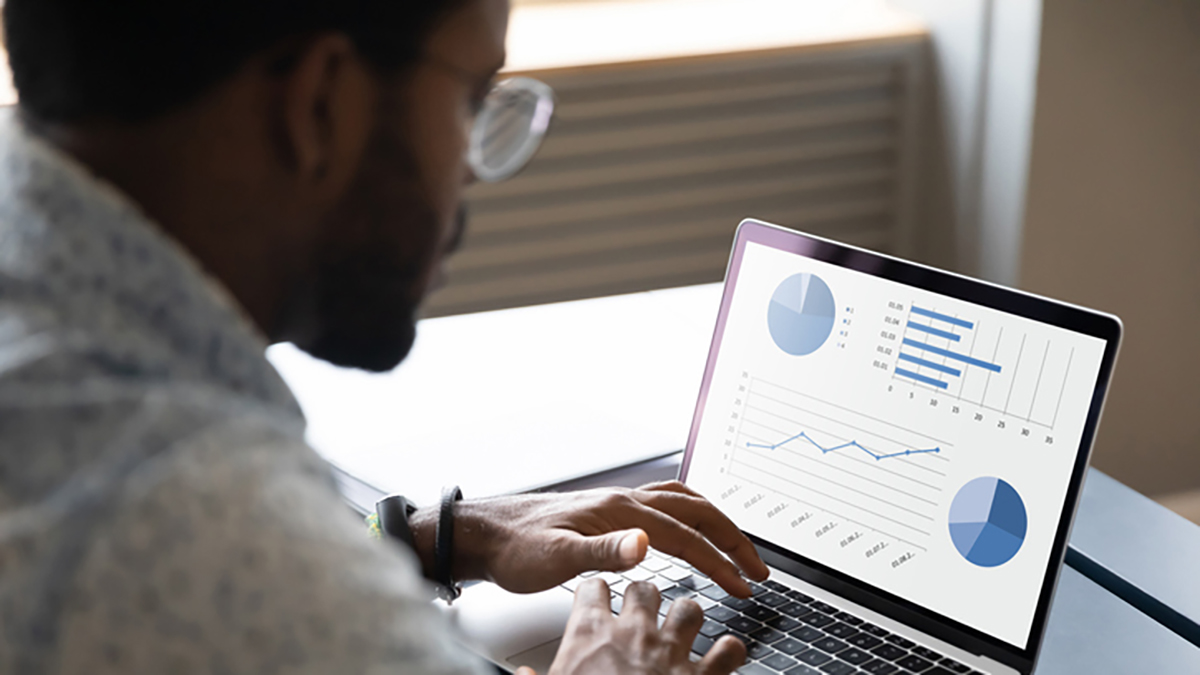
(443, 551)
(393, 513)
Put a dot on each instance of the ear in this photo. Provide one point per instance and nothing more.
(327, 111)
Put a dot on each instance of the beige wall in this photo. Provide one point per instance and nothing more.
(1113, 217)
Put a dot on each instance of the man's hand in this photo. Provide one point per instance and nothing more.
(529, 543)
(598, 642)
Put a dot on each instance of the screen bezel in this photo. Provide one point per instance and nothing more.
(1055, 313)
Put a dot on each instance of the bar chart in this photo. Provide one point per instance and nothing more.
(1012, 372)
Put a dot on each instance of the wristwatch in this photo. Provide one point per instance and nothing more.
(393, 514)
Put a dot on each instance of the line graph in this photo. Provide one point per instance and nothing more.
(848, 479)
(852, 444)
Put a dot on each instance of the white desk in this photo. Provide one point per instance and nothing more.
(512, 400)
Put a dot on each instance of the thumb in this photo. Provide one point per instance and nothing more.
(526, 670)
(617, 550)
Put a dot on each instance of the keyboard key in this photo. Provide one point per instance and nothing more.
(790, 646)
(609, 578)
(855, 656)
(620, 586)
(677, 592)
(914, 663)
(901, 642)
(758, 650)
(720, 613)
(794, 609)
(799, 597)
(617, 603)
(888, 652)
(838, 668)
(778, 662)
(830, 645)
(954, 666)
(572, 584)
(842, 630)
(704, 602)
(846, 617)
(772, 599)
(654, 563)
(702, 644)
(743, 625)
(807, 634)
(712, 628)
(873, 630)
(783, 623)
(756, 589)
(661, 584)
(802, 670)
(675, 573)
(737, 603)
(928, 654)
(695, 583)
(638, 574)
(814, 657)
(818, 619)
(753, 669)
(776, 586)
(864, 641)
(822, 607)
(879, 667)
(714, 592)
(760, 613)
(767, 635)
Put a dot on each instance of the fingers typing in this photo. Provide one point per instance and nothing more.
(687, 507)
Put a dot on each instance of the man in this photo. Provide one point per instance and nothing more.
(183, 183)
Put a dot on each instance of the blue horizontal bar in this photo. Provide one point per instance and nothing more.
(935, 331)
(943, 317)
(952, 355)
(920, 378)
(930, 364)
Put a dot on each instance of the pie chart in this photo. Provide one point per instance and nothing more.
(988, 522)
(801, 314)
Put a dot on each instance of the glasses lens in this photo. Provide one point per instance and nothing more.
(510, 128)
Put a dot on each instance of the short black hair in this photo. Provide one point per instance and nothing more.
(131, 60)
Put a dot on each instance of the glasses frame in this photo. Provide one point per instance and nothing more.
(487, 169)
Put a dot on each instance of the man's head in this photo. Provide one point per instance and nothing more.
(310, 153)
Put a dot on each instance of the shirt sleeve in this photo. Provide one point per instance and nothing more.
(232, 552)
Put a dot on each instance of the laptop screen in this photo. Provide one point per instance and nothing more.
(918, 443)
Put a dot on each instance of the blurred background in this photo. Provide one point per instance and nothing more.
(1052, 145)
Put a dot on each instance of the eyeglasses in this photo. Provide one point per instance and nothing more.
(509, 128)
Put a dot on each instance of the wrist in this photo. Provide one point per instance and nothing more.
(471, 534)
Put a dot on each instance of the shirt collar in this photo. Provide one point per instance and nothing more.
(54, 213)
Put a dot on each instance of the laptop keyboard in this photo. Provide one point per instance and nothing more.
(784, 630)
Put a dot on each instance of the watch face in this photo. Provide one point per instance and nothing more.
(393, 513)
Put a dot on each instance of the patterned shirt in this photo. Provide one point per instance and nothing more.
(159, 509)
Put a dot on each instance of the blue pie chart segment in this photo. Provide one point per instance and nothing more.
(988, 522)
(801, 314)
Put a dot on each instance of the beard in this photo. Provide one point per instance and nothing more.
(366, 312)
(359, 308)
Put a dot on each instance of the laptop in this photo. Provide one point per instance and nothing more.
(906, 448)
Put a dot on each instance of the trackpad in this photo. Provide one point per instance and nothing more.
(539, 658)
(509, 628)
